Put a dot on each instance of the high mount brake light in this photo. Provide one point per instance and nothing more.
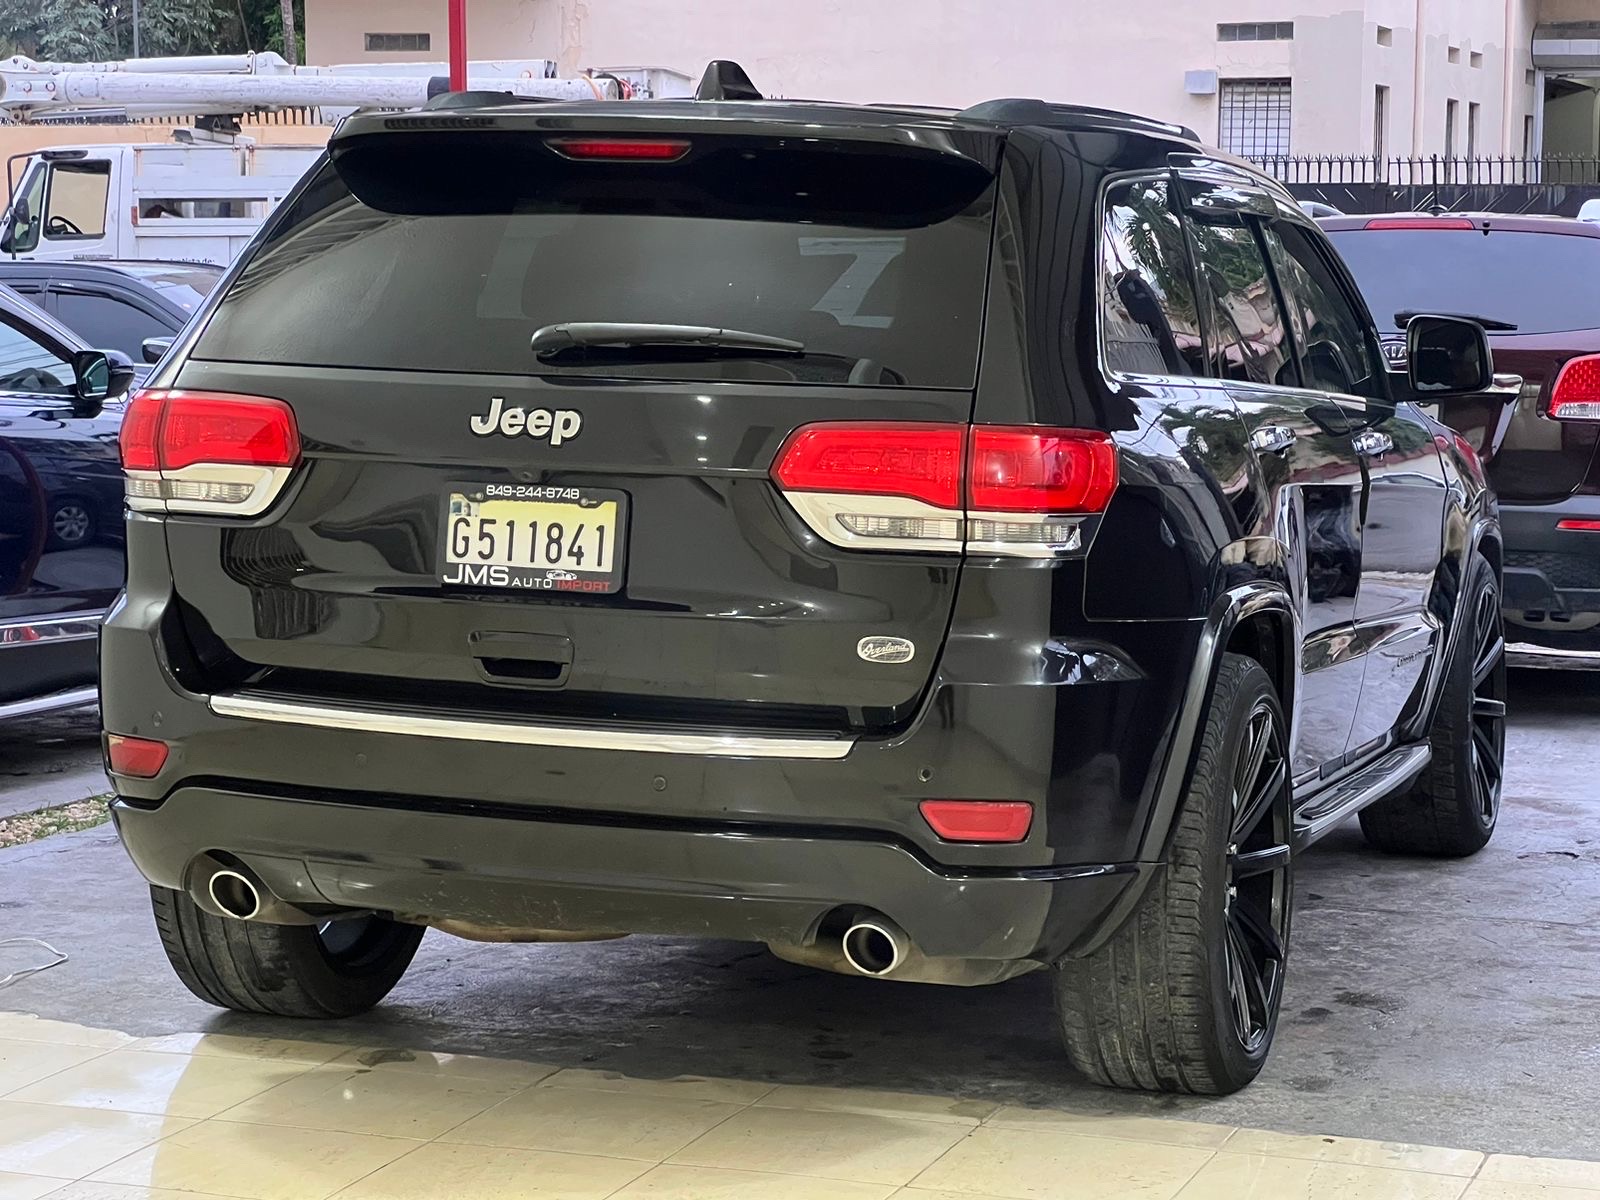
(207, 452)
(620, 149)
(987, 489)
(1419, 223)
(1576, 395)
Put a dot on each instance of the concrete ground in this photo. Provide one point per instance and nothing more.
(1453, 1004)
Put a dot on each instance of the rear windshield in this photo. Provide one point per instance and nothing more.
(417, 253)
(1539, 282)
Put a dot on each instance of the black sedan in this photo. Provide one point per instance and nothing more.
(115, 305)
(61, 499)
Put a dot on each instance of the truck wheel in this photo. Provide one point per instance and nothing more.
(1450, 811)
(336, 969)
(1185, 996)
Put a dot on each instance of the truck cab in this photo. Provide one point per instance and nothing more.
(180, 202)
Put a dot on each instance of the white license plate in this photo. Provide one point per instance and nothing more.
(551, 539)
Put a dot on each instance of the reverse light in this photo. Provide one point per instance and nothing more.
(140, 758)
(185, 451)
(1419, 223)
(620, 149)
(987, 489)
(1576, 395)
(978, 820)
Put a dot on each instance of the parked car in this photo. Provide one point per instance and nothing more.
(116, 305)
(610, 528)
(1535, 281)
(61, 507)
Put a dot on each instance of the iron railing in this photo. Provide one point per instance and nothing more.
(1431, 171)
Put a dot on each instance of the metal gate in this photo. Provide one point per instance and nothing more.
(1556, 186)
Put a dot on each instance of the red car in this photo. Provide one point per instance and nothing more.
(1534, 283)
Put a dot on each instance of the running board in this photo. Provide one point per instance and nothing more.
(1388, 774)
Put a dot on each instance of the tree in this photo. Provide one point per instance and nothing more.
(92, 30)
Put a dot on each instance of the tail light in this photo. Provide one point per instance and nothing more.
(1576, 395)
(884, 485)
(207, 452)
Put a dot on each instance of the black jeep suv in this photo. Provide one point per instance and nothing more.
(939, 546)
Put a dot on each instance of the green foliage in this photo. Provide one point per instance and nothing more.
(96, 30)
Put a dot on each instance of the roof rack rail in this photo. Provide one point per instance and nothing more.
(726, 80)
(1020, 111)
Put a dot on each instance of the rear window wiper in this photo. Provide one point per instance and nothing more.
(554, 339)
(1403, 318)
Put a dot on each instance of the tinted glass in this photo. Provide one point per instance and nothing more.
(108, 324)
(1250, 342)
(451, 260)
(28, 366)
(1335, 351)
(1149, 321)
(1540, 282)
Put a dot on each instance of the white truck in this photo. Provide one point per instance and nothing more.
(201, 197)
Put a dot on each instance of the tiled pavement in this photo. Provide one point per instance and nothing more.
(87, 1114)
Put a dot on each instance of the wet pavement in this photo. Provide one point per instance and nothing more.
(1450, 1004)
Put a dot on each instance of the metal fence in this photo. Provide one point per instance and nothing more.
(1358, 184)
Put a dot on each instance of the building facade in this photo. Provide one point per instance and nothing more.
(1382, 78)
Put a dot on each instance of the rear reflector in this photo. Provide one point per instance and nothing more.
(207, 451)
(1578, 525)
(621, 149)
(142, 758)
(1576, 395)
(989, 489)
(1419, 223)
(978, 820)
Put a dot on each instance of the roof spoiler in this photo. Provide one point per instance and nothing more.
(1022, 111)
(726, 80)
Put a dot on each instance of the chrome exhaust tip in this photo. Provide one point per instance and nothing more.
(235, 895)
(874, 948)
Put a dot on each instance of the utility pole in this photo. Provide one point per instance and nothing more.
(136, 28)
(291, 48)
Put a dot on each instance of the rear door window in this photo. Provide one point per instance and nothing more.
(1249, 336)
(1539, 282)
(1335, 349)
(1149, 318)
(108, 323)
(450, 262)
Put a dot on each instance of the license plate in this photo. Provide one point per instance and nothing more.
(548, 539)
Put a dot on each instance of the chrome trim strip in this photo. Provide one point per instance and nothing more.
(656, 741)
(59, 702)
(69, 627)
(1526, 654)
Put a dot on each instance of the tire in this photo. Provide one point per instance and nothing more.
(1185, 996)
(283, 970)
(1451, 809)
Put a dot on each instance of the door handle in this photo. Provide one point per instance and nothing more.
(1372, 444)
(1272, 439)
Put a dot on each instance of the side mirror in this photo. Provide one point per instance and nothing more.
(1447, 356)
(123, 373)
(91, 371)
(154, 348)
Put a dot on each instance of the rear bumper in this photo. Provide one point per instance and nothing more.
(1552, 585)
(447, 863)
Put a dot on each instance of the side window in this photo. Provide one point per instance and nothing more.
(1249, 337)
(29, 366)
(1149, 320)
(27, 213)
(76, 205)
(1335, 354)
(107, 323)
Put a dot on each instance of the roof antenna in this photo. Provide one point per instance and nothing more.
(726, 80)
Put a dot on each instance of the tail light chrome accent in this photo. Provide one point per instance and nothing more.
(207, 452)
(1576, 395)
(1021, 491)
